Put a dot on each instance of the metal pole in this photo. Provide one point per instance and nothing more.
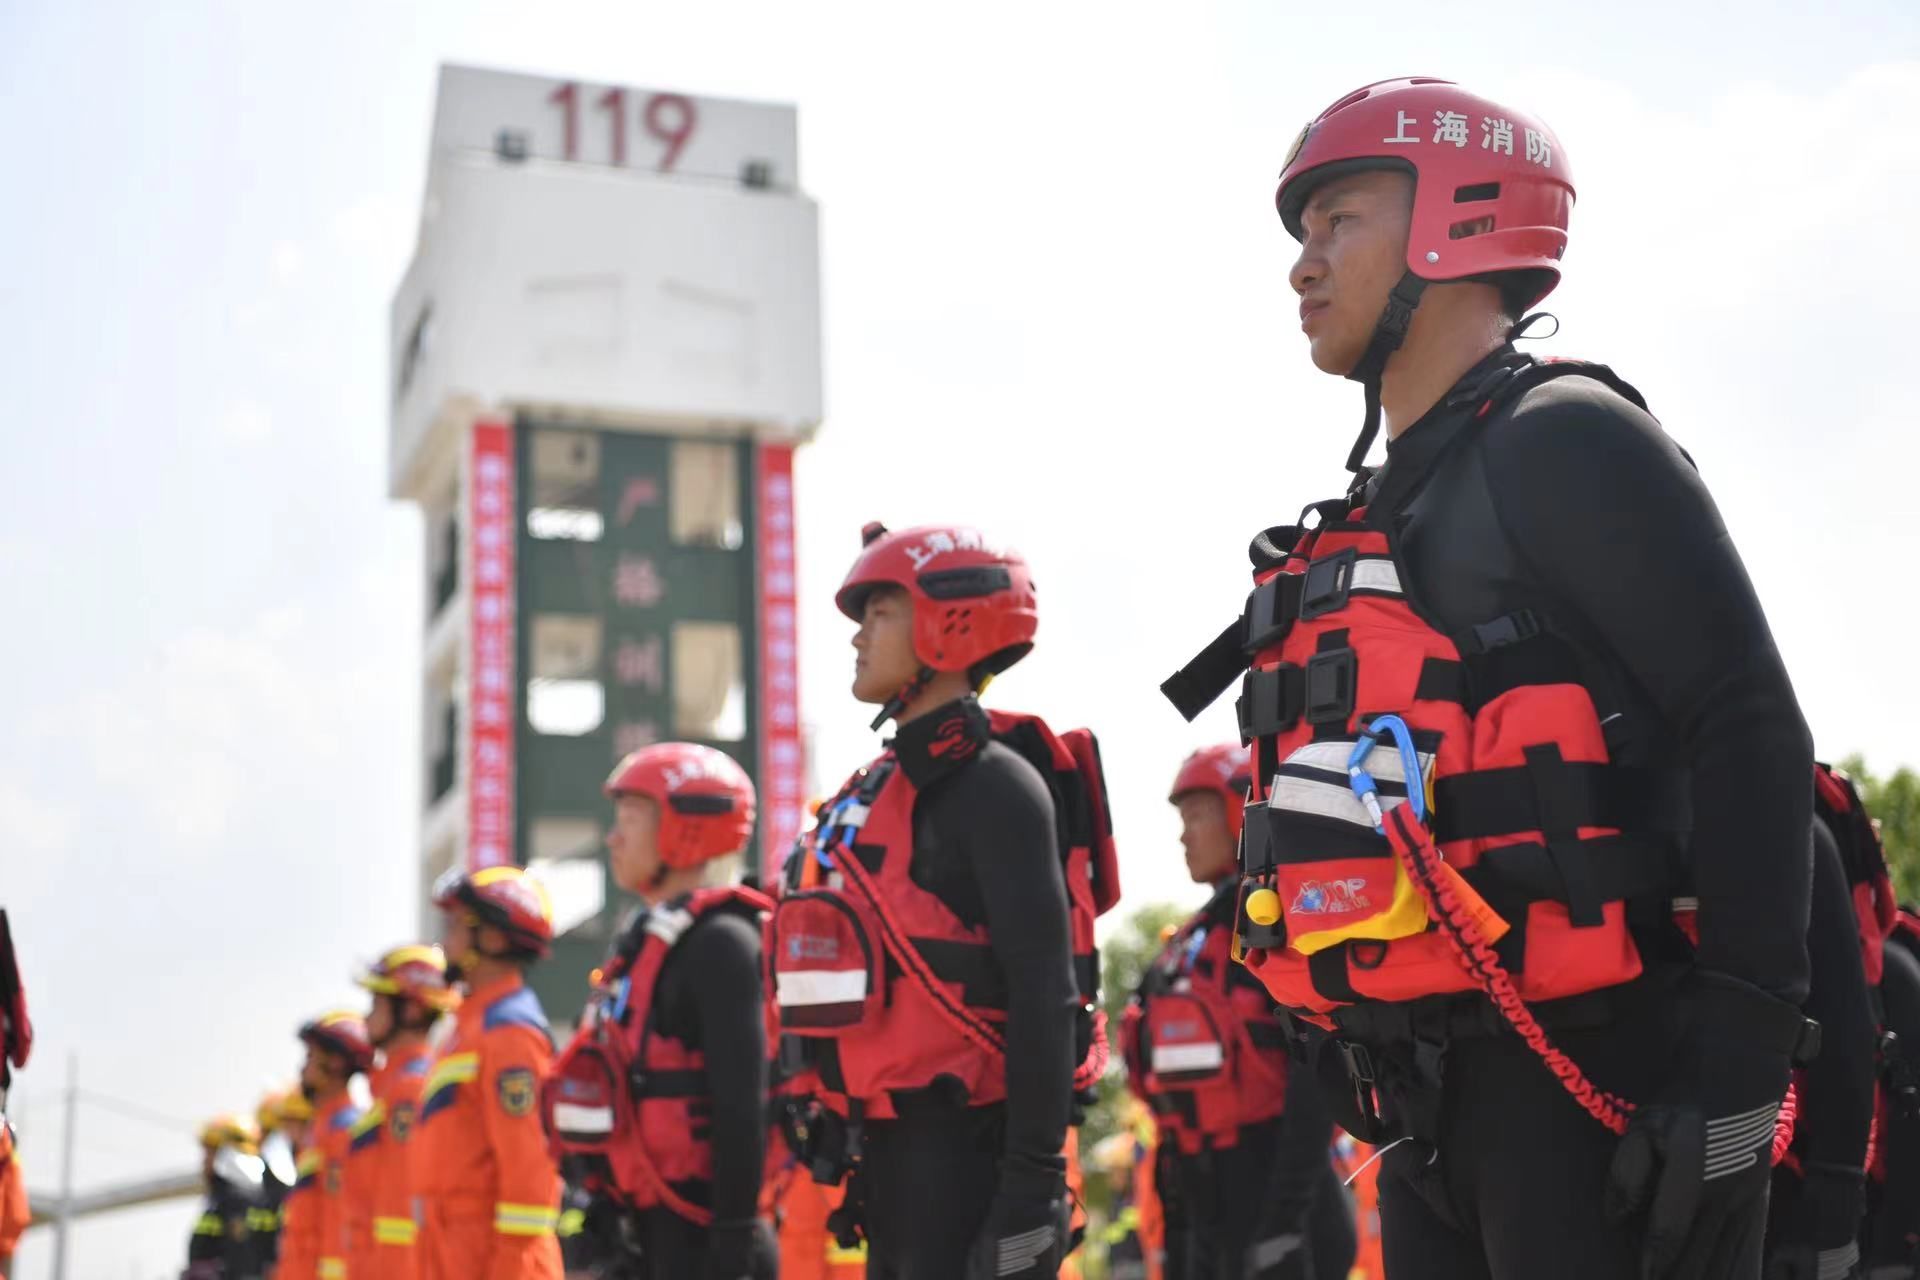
(66, 1170)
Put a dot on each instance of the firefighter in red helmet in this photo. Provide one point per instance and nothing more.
(678, 1006)
(317, 1237)
(1245, 1137)
(410, 994)
(932, 953)
(488, 1188)
(1518, 724)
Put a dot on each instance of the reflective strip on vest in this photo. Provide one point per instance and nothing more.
(332, 1269)
(524, 1219)
(1332, 796)
(209, 1225)
(395, 1231)
(1187, 1057)
(1375, 573)
(574, 1118)
(820, 986)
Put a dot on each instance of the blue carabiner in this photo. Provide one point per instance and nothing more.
(1366, 790)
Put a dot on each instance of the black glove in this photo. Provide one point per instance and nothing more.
(1025, 1236)
(1817, 1238)
(742, 1251)
(1279, 1257)
(1696, 1158)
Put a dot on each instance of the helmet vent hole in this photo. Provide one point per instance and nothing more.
(1470, 228)
(1478, 191)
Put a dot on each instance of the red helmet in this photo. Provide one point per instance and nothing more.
(342, 1033)
(417, 973)
(505, 897)
(1225, 770)
(973, 604)
(1470, 159)
(705, 799)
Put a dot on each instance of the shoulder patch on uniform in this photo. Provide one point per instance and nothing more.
(519, 1008)
(345, 1118)
(517, 1091)
(400, 1123)
(418, 1067)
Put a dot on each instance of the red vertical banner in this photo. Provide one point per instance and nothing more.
(782, 762)
(491, 706)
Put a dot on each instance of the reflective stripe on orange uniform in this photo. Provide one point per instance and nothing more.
(313, 1241)
(488, 1187)
(365, 1151)
(396, 1230)
(14, 1214)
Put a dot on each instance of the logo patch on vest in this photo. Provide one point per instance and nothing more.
(811, 946)
(1331, 898)
(517, 1091)
(400, 1122)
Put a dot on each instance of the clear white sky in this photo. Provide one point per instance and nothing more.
(1055, 307)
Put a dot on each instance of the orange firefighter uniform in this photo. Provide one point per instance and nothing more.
(395, 1219)
(314, 1240)
(13, 1194)
(799, 1205)
(1356, 1165)
(488, 1187)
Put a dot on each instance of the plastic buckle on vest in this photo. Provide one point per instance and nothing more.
(1806, 1045)
(1511, 628)
(1360, 1074)
(1327, 582)
(1269, 702)
(1269, 612)
(1332, 678)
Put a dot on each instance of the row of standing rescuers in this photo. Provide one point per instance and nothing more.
(447, 1173)
(1588, 1083)
(928, 1016)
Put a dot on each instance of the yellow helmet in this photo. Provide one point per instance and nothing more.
(282, 1106)
(230, 1131)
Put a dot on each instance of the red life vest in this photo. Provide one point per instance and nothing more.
(1204, 1052)
(1536, 841)
(892, 988)
(1838, 802)
(626, 1094)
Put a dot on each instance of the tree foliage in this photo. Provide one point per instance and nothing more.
(1894, 802)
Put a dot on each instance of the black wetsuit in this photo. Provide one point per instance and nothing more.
(1569, 501)
(985, 844)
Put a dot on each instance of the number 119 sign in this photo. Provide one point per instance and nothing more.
(618, 126)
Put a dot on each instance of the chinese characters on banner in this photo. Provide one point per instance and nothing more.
(782, 768)
(491, 706)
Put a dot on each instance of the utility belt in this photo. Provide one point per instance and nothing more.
(1395, 1054)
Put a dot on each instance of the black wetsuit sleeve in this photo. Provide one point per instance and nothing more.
(1617, 525)
(1837, 1099)
(998, 814)
(713, 984)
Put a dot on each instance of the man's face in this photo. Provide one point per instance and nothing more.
(382, 1018)
(1353, 250)
(884, 662)
(1204, 836)
(321, 1073)
(633, 845)
(457, 938)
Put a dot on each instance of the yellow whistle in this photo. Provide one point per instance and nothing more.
(1263, 906)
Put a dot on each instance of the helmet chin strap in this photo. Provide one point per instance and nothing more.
(1388, 333)
(908, 692)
